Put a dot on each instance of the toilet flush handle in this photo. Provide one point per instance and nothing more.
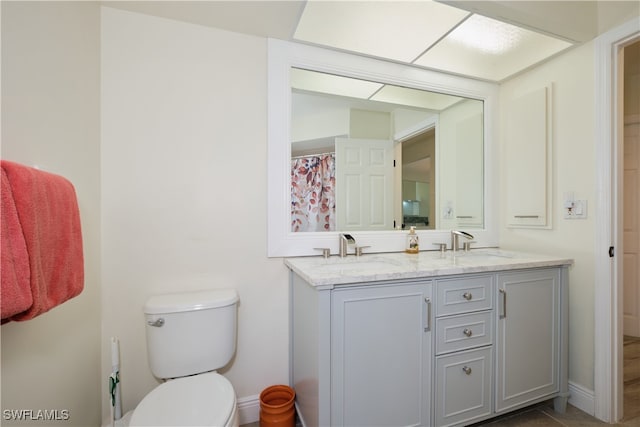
(157, 323)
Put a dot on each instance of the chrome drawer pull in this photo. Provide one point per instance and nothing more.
(467, 370)
(467, 332)
(467, 296)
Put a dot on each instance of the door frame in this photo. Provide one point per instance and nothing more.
(608, 383)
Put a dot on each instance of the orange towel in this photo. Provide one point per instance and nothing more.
(16, 288)
(48, 212)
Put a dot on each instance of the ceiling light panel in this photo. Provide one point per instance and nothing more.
(487, 35)
(313, 81)
(490, 49)
(398, 30)
(415, 98)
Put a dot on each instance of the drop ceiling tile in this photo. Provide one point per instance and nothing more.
(336, 85)
(415, 98)
(453, 55)
(398, 30)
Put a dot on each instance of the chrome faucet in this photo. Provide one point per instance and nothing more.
(455, 235)
(346, 240)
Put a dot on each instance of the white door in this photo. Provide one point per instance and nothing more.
(631, 260)
(364, 184)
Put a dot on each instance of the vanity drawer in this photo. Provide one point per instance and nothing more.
(464, 332)
(464, 294)
(463, 387)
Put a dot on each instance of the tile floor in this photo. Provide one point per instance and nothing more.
(632, 380)
(543, 415)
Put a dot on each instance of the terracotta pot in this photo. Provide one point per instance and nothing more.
(276, 406)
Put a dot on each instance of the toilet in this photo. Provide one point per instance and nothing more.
(189, 336)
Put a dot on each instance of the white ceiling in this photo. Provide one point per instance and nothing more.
(418, 32)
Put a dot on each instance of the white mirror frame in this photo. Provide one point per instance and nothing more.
(282, 56)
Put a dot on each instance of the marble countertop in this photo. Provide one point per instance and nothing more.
(327, 272)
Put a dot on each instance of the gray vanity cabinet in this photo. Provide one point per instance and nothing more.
(444, 350)
(530, 342)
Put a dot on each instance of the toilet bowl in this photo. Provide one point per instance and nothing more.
(189, 336)
(199, 400)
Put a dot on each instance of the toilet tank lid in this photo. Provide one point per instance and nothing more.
(190, 301)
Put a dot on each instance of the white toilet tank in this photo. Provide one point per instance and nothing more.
(190, 332)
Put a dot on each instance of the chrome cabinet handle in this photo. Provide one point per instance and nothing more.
(156, 323)
(503, 305)
(427, 323)
(467, 332)
(467, 295)
(467, 370)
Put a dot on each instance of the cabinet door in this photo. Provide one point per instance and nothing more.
(460, 169)
(469, 186)
(528, 160)
(528, 337)
(380, 355)
(463, 387)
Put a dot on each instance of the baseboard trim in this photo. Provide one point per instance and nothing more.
(582, 398)
(249, 409)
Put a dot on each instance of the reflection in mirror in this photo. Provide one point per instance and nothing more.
(372, 156)
(419, 180)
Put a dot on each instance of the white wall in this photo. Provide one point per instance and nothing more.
(50, 118)
(184, 190)
(572, 75)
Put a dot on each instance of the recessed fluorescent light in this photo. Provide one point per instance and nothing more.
(414, 98)
(313, 81)
(317, 82)
(490, 50)
(398, 30)
(487, 35)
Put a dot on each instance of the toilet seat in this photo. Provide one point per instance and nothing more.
(199, 400)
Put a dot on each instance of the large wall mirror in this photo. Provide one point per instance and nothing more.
(369, 156)
(371, 148)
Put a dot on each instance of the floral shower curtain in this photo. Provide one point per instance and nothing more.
(313, 204)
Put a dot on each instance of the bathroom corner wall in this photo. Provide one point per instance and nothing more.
(573, 169)
(51, 119)
(184, 125)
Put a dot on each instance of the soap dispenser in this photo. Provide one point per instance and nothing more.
(413, 247)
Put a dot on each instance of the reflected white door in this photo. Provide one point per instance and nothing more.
(631, 260)
(364, 184)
